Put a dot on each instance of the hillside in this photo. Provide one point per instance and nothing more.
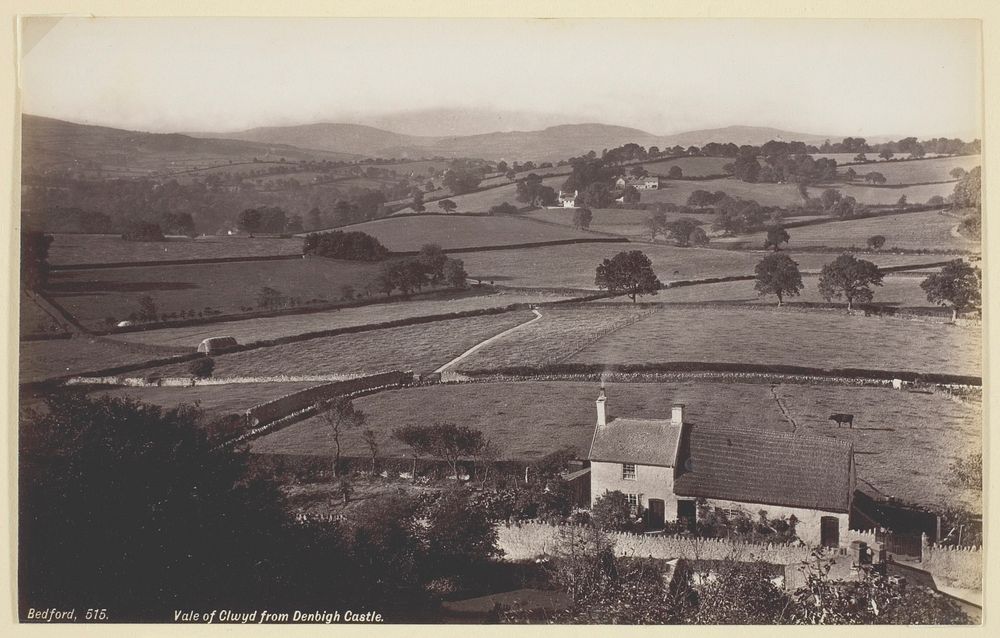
(548, 144)
(50, 144)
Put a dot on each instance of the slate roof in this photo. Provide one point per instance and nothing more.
(641, 441)
(767, 467)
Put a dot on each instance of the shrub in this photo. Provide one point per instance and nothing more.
(202, 367)
(337, 244)
(612, 512)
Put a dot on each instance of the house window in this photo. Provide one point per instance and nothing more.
(633, 501)
(628, 471)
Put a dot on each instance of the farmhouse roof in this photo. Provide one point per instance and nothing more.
(641, 441)
(766, 467)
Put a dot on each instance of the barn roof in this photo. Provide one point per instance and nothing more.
(766, 467)
(642, 441)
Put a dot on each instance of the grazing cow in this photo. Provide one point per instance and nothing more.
(841, 419)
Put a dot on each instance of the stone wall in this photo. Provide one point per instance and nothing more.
(530, 540)
(960, 567)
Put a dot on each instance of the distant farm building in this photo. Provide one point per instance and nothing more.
(664, 467)
(214, 344)
(649, 183)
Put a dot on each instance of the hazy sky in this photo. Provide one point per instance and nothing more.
(823, 77)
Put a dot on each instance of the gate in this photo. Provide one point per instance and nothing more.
(901, 544)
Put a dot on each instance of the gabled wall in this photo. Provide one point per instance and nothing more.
(651, 482)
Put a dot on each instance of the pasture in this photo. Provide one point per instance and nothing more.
(927, 230)
(248, 330)
(559, 333)
(480, 202)
(616, 221)
(821, 338)
(690, 166)
(898, 291)
(678, 191)
(886, 195)
(215, 400)
(34, 319)
(420, 348)
(920, 171)
(46, 359)
(400, 234)
(574, 266)
(230, 288)
(905, 441)
(112, 249)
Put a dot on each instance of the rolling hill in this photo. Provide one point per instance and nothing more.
(53, 144)
(548, 144)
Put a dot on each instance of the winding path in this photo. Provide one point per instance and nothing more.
(475, 348)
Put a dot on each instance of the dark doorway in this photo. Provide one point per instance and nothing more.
(829, 531)
(687, 511)
(654, 515)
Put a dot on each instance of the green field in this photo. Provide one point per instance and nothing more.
(36, 320)
(678, 192)
(821, 338)
(881, 195)
(904, 441)
(215, 400)
(112, 249)
(401, 234)
(919, 171)
(92, 295)
(247, 330)
(574, 266)
(907, 440)
(897, 290)
(46, 359)
(420, 348)
(616, 221)
(928, 230)
(559, 333)
(480, 202)
(690, 166)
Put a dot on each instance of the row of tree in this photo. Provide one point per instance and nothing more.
(349, 245)
(431, 267)
(958, 285)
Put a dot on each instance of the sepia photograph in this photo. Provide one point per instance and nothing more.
(425, 320)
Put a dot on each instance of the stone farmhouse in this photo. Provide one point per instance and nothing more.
(665, 466)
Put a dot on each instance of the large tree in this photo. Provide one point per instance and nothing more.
(778, 274)
(340, 416)
(628, 272)
(35, 259)
(776, 235)
(958, 285)
(132, 506)
(968, 190)
(849, 278)
(682, 229)
(447, 205)
(582, 218)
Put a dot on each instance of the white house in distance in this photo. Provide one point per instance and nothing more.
(568, 199)
(665, 465)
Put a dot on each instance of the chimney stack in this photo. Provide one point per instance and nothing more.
(677, 414)
(602, 409)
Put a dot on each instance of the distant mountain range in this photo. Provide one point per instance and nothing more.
(548, 144)
(49, 141)
(52, 143)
